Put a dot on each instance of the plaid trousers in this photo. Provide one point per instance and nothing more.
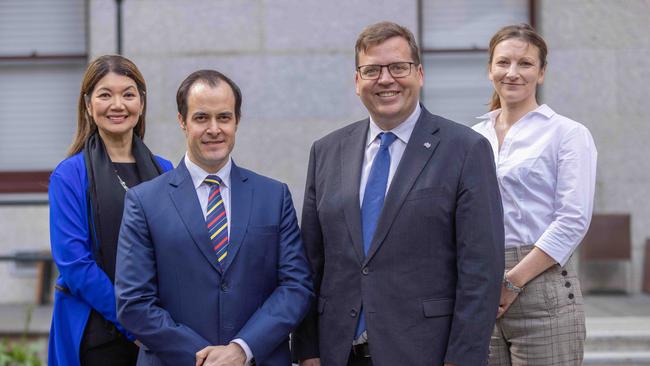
(545, 325)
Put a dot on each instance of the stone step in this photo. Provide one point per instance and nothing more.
(618, 340)
(622, 358)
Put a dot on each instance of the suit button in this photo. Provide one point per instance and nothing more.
(365, 271)
(567, 284)
(224, 287)
(353, 313)
(571, 296)
(564, 273)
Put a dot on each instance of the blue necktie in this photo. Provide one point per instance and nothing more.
(373, 201)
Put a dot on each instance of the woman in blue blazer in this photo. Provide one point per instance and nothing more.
(86, 194)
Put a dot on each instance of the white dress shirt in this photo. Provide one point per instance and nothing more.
(546, 169)
(203, 189)
(396, 149)
(203, 192)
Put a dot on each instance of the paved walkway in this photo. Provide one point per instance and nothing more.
(613, 321)
(617, 314)
(597, 306)
(604, 313)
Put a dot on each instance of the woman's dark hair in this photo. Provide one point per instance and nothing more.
(96, 70)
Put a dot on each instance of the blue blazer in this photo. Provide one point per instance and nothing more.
(89, 286)
(174, 296)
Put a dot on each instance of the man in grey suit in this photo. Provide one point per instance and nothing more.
(403, 226)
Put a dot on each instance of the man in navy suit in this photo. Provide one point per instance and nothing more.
(210, 265)
(403, 226)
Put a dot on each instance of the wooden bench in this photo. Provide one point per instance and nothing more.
(605, 253)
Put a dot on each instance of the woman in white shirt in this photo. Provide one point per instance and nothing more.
(546, 168)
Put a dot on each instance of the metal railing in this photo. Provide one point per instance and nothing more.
(45, 268)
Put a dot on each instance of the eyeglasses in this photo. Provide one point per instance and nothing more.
(396, 70)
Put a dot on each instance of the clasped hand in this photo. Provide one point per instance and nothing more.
(230, 355)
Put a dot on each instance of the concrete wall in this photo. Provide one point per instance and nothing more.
(598, 74)
(293, 60)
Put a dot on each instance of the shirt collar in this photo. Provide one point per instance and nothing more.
(403, 131)
(491, 115)
(198, 174)
(543, 109)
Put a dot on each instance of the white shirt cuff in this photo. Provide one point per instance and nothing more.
(247, 350)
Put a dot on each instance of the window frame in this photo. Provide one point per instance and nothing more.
(17, 183)
(32, 181)
(532, 14)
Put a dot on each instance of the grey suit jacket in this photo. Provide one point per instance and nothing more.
(431, 281)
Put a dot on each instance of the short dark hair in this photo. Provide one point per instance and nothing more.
(211, 78)
(378, 33)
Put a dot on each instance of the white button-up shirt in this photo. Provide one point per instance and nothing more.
(546, 169)
(403, 132)
(203, 189)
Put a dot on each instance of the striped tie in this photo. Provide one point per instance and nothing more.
(216, 218)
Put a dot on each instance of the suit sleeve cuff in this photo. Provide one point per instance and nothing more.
(247, 350)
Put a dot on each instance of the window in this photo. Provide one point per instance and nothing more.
(42, 60)
(454, 38)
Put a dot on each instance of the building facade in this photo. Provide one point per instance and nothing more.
(294, 61)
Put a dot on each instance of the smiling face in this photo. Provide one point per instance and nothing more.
(115, 105)
(515, 72)
(210, 125)
(389, 100)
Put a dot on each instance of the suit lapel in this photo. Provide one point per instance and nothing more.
(183, 195)
(352, 148)
(241, 200)
(421, 146)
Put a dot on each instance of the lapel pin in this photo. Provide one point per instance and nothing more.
(427, 145)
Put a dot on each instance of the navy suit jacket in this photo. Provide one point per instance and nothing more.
(431, 281)
(174, 296)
